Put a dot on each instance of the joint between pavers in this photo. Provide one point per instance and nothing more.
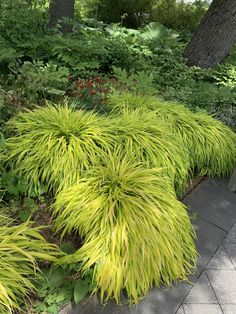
(223, 244)
(213, 224)
(214, 293)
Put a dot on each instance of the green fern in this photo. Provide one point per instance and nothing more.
(136, 233)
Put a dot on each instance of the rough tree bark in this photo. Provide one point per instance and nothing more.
(215, 35)
(59, 9)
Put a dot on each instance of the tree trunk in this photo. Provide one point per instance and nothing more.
(59, 9)
(215, 35)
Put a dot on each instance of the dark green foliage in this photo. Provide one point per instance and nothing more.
(179, 15)
(60, 286)
(130, 13)
(34, 81)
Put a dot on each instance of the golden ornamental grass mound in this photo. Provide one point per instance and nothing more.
(21, 247)
(151, 142)
(54, 145)
(211, 144)
(136, 234)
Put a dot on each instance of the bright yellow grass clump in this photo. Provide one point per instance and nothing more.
(136, 233)
(211, 145)
(122, 200)
(153, 143)
(54, 145)
(20, 248)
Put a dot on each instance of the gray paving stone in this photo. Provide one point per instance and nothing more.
(220, 260)
(232, 182)
(231, 237)
(180, 310)
(205, 200)
(202, 309)
(209, 238)
(213, 203)
(224, 285)
(231, 250)
(156, 302)
(66, 309)
(229, 308)
(201, 292)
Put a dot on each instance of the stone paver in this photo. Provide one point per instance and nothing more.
(224, 285)
(180, 310)
(66, 309)
(220, 260)
(229, 308)
(231, 236)
(201, 292)
(208, 239)
(202, 309)
(231, 251)
(215, 277)
(213, 203)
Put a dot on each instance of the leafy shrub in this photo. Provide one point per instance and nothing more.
(131, 14)
(125, 211)
(179, 15)
(90, 93)
(20, 249)
(23, 28)
(35, 80)
(53, 145)
(140, 82)
(211, 145)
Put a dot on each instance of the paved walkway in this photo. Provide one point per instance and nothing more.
(214, 288)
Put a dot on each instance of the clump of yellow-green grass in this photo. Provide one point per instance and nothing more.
(151, 142)
(211, 145)
(136, 234)
(55, 144)
(21, 247)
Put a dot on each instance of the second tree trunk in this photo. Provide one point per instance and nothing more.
(215, 35)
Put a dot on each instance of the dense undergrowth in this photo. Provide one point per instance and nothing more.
(95, 147)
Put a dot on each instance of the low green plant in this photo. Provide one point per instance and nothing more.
(54, 145)
(34, 81)
(20, 248)
(135, 232)
(60, 286)
(140, 82)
